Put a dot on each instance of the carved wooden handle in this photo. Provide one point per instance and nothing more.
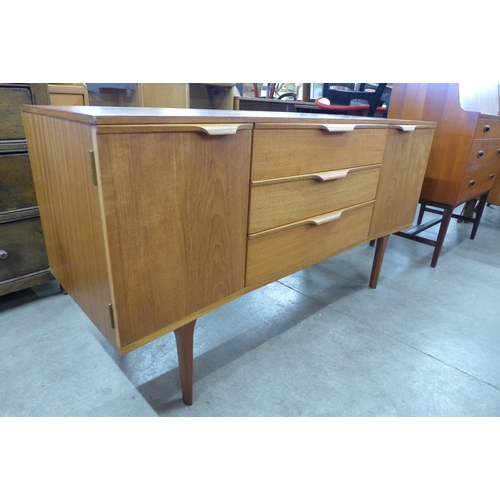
(348, 127)
(404, 128)
(226, 129)
(319, 176)
(332, 175)
(325, 218)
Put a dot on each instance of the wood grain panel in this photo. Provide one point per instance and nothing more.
(401, 175)
(287, 152)
(484, 152)
(488, 128)
(304, 245)
(163, 95)
(494, 194)
(278, 204)
(176, 208)
(70, 211)
(477, 181)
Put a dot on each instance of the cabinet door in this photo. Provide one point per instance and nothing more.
(176, 208)
(401, 178)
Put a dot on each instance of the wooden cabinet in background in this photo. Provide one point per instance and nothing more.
(68, 94)
(494, 195)
(464, 160)
(186, 95)
(23, 258)
(156, 217)
(163, 95)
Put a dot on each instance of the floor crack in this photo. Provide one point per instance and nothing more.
(447, 364)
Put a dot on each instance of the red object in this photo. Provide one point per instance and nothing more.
(344, 108)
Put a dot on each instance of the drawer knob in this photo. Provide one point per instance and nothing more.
(3, 254)
(472, 183)
(498, 152)
(480, 153)
(491, 176)
(486, 128)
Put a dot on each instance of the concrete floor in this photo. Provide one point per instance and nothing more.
(426, 342)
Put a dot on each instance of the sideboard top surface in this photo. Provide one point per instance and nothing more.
(101, 115)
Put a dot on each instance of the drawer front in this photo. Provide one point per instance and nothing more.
(22, 249)
(487, 128)
(484, 152)
(296, 151)
(16, 184)
(280, 203)
(478, 181)
(494, 195)
(277, 254)
(12, 97)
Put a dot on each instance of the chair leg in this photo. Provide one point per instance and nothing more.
(479, 212)
(443, 228)
(421, 213)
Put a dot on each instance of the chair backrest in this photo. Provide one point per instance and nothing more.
(344, 97)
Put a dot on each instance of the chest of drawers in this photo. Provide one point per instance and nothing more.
(154, 216)
(23, 259)
(465, 156)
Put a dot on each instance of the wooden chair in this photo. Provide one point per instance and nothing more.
(363, 101)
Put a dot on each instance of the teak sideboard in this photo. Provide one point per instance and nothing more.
(156, 216)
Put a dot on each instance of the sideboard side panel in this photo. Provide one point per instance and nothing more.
(70, 213)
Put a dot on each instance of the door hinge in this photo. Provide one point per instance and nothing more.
(93, 167)
(111, 316)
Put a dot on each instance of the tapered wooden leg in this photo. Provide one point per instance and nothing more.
(443, 228)
(184, 340)
(421, 213)
(479, 214)
(377, 260)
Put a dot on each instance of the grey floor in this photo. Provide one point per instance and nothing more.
(426, 342)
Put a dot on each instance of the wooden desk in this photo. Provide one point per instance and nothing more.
(464, 159)
(154, 217)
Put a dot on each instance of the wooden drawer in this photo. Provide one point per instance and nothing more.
(290, 248)
(484, 152)
(281, 201)
(284, 152)
(16, 184)
(477, 181)
(23, 249)
(12, 97)
(487, 128)
(494, 194)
